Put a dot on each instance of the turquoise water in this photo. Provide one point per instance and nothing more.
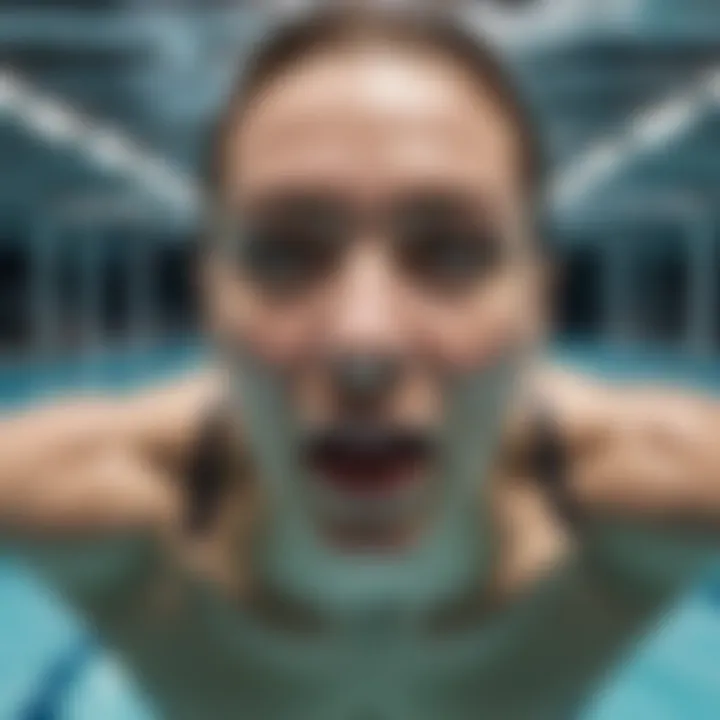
(675, 675)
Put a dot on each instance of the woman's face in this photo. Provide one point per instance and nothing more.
(375, 227)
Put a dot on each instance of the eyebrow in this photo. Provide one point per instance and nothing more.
(447, 195)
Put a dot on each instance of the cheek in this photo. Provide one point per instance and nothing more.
(475, 332)
(277, 333)
(280, 337)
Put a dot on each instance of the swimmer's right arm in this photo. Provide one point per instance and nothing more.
(96, 464)
(77, 473)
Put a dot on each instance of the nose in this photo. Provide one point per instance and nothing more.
(363, 379)
(365, 333)
(363, 316)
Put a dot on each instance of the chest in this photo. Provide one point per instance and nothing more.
(540, 658)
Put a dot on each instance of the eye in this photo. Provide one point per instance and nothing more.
(448, 252)
(290, 252)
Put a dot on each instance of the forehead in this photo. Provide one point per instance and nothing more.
(371, 122)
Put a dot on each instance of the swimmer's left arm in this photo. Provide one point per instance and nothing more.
(644, 472)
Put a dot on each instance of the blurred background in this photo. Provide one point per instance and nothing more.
(105, 107)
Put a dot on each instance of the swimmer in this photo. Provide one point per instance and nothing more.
(382, 502)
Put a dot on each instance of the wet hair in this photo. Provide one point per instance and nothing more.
(334, 28)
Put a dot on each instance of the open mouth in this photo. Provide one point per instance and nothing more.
(365, 461)
(370, 483)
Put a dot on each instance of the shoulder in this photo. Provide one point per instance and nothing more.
(648, 449)
(99, 508)
(644, 471)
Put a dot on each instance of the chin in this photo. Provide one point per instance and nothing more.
(373, 521)
(391, 540)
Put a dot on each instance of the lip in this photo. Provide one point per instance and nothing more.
(369, 485)
(369, 462)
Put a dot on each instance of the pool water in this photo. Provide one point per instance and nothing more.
(675, 674)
